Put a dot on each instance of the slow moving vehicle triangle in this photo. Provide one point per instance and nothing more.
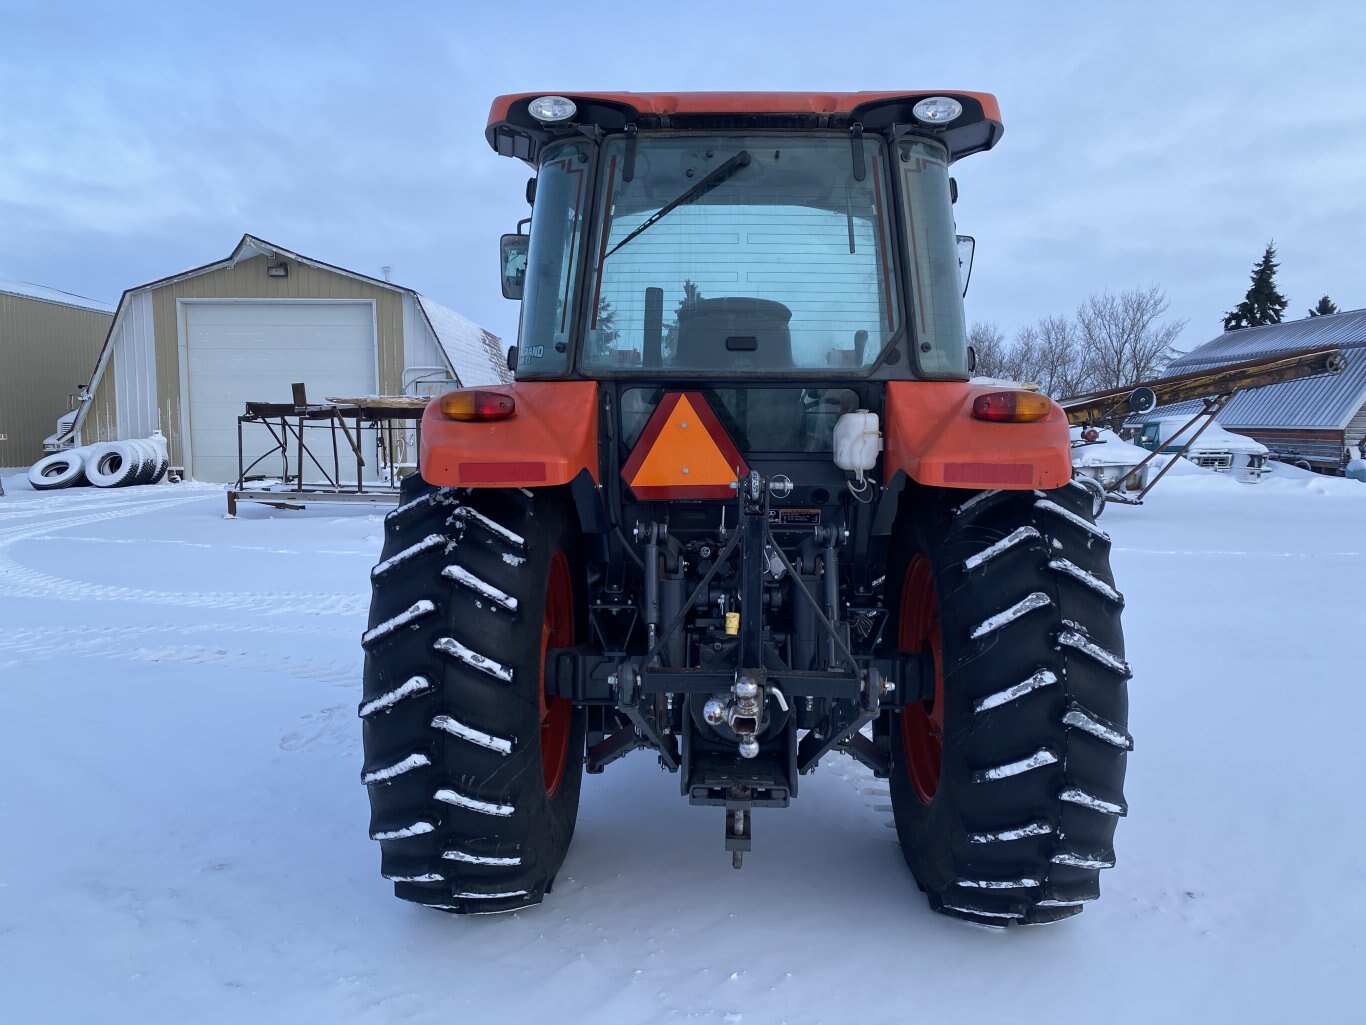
(684, 452)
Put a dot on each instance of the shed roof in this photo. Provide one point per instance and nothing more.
(53, 295)
(1326, 402)
(251, 247)
(476, 355)
(1267, 339)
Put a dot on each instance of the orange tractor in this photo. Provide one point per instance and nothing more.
(744, 509)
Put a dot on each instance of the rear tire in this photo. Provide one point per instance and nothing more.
(1095, 489)
(1007, 785)
(473, 776)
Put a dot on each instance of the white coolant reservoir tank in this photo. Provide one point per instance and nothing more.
(857, 442)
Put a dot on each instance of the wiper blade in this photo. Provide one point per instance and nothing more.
(705, 185)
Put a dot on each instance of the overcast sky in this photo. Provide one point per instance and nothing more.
(1145, 143)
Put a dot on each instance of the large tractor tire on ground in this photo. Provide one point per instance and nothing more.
(473, 775)
(1007, 784)
(59, 470)
(112, 464)
(147, 461)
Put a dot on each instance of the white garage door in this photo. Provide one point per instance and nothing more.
(240, 352)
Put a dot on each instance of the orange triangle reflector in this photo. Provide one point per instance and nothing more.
(684, 452)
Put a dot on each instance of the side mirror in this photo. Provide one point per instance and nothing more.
(967, 246)
(513, 249)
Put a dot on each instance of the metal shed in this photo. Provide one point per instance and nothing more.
(186, 353)
(48, 342)
(1311, 421)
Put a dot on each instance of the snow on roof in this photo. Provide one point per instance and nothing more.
(53, 295)
(1344, 329)
(1326, 402)
(476, 355)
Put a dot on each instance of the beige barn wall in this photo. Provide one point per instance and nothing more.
(46, 351)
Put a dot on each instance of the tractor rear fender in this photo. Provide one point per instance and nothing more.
(931, 435)
(550, 439)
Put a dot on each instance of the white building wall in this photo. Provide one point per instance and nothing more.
(425, 370)
(135, 369)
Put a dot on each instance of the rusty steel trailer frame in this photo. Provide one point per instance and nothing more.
(306, 429)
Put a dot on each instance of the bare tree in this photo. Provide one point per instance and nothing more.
(1115, 341)
(1122, 341)
(989, 342)
(1049, 354)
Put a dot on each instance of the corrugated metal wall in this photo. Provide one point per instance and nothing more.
(135, 370)
(159, 364)
(422, 350)
(46, 351)
(1356, 428)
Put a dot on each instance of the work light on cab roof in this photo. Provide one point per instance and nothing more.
(551, 110)
(937, 110)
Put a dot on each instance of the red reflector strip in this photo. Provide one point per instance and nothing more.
(989, 473)
(496, 473)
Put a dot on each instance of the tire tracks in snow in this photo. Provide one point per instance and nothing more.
(19, 581)
(16, 508)
(149, 644)
(875, 792)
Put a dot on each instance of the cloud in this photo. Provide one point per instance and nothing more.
(1163, 143)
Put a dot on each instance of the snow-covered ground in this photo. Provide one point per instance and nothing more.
(184, 830)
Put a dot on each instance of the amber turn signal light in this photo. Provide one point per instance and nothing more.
(1011, 407)
(476, 404)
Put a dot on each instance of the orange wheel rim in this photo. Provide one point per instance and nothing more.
(922, 724)
(557, 714)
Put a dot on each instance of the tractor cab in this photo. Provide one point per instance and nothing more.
(757, 236)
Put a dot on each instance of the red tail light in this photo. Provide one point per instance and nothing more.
(476, 404)
(1017, 407)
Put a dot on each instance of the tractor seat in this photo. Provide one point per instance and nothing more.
(734, 333)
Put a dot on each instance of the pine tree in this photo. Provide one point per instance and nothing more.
(1263, 303)
(691, 294)
(1325, 307)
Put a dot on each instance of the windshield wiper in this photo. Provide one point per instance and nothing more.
(706, 184)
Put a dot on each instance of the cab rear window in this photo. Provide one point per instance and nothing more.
(757, 419)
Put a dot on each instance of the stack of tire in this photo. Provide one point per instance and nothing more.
(106, 464)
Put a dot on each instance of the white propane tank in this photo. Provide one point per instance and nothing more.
(857, 442)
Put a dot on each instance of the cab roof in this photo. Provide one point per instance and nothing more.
(513, 132)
